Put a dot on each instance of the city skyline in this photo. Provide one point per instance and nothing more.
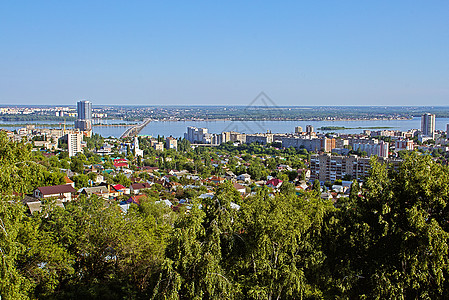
(203, 53)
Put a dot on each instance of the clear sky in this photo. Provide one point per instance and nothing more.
(224, 52)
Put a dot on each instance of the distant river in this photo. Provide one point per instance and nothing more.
(178, 128)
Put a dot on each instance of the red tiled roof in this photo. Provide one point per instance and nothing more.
(118, 187)
(274, 182)
(121, 164)
(56, 189)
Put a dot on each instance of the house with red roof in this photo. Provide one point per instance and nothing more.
(123, 190)
(121, 165)
(69, 181)
(274, 183)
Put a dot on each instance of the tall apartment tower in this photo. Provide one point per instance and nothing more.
(309, 129)
(428, 124)
(84, 110)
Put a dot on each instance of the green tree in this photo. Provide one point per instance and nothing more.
(316, 187)
(77, 164)
(279, 250)
(392, 241)
(81, 180)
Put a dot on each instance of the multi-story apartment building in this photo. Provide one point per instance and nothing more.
(404, 145)
(298, 129)
(198, 135)
(327, 167)
(261, 138)
(158, 146)
(74, 143)
(171, 143)
(309, 143)
(380, 149)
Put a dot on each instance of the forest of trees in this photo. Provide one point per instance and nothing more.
(388, 240)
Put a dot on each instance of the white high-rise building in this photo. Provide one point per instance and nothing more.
(428, 125)
(74, 143)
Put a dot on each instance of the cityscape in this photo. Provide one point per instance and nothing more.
(181, 174)
(224, 150)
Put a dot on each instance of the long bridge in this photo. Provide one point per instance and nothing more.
(134, 130)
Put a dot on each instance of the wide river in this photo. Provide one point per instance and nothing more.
(177, 128)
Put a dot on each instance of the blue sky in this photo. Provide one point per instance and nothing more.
(224, 52)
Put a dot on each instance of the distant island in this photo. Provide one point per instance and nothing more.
(327, 128)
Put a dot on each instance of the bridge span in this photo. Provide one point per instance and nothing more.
(134, 130)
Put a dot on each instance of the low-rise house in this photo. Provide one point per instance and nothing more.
(122, 190)
(179, 174)
(121, 165)
(302, 185)
(338, 188)
(229, 175)
(101, 191)
(64, 192)
(166, 202)
(244, 177)
(206, 195)
(216, 179)
(113, 193)
(274, 183)
(35, 204)
(149, 169)
(136, 187)
(106, 149)
(174, 185)
(326, 196)
(98, 178)
(283, 167)
(240, 188)
(69, 181)
(304, 173)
